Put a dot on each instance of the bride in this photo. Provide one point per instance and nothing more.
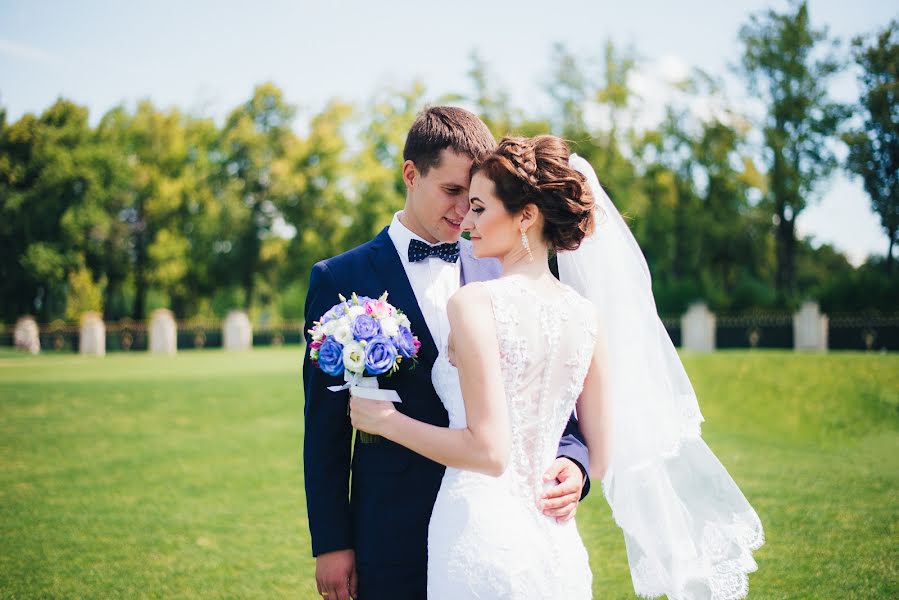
(524, 351)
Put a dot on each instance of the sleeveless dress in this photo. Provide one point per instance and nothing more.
(487, 538)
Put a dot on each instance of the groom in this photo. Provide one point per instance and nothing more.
(370, 541)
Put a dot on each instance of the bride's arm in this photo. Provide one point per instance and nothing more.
(593, 410)
(484, 445)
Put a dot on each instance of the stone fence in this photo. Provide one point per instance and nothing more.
(698, 330)
(808, 329)
(162, 334)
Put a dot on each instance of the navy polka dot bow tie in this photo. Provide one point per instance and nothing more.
(418, 250)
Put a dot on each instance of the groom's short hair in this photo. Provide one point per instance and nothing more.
(439, 127)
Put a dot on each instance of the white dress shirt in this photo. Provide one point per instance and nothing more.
(433, 281)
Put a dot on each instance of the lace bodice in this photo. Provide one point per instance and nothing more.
(487, 537)
(545, 344)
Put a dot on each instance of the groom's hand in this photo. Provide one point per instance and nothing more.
(335, 574)
(561, 501)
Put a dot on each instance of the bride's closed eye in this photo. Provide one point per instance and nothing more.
(477, 211)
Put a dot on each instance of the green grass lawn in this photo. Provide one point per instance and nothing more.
(181, 477)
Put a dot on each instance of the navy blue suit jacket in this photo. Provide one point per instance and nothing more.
(385, 515)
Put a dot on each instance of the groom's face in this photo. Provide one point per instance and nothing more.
(437, 201)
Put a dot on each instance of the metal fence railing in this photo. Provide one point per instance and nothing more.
(755, 330)
(863, 332)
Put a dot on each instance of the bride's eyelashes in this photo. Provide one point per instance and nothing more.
(477, 211)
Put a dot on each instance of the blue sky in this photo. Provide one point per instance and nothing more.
(206, 57)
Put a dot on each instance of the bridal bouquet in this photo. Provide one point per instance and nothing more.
(362, 337)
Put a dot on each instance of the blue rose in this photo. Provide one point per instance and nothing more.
(330, 357)
(365, 328)
(337, 311)
(405, 342)
(380, 355)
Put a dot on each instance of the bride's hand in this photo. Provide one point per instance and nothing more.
(370, 416)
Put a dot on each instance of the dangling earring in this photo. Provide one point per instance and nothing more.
(527, 245)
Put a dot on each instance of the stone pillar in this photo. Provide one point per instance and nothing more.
(237, 333)
(163, 332)
(92, 340)
(26, 335)
(810, 328)
(698, 329)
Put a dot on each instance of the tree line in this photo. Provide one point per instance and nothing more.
(157, 207)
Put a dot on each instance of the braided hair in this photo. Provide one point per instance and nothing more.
(536, 171)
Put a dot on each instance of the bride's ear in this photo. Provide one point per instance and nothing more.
(528, 216)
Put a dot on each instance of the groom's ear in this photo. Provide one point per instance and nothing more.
(410, 174)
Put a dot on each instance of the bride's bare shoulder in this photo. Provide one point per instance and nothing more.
(471, 295)
(470, 302)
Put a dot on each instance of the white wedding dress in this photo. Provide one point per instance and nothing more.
(487, 538)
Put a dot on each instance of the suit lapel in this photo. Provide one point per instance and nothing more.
(387, 264)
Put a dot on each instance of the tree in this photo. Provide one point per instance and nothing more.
(253, 146)
(155, 150)
(377, 184)
(491, 102)
(874, 149)
(780, 66)
(203, 220)
(615, 93)
(570, 89)
(313, 186)
(579, 87)
(84, 294)
(731, 229)
(60, 191)
(702, 234)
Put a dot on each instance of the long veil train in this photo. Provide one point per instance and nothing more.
(688, 529)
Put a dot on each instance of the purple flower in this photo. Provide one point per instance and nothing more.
(330, 356)
(380, 355)
(405, 342)
(365, 328)
(341, 308)
(337, 311)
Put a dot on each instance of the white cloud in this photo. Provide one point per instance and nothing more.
(657, 85)
(25, 52)
(672, 68)
(843, 218)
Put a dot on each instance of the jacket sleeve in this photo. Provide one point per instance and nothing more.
(327, 436)
(573, 447)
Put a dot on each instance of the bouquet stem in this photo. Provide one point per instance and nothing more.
(368, 438)
(364, 436)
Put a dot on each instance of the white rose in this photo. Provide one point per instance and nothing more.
(355, 311)
(389, 326)
(404, 321)
(354, 357)
(343, 333)
(329, 327)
